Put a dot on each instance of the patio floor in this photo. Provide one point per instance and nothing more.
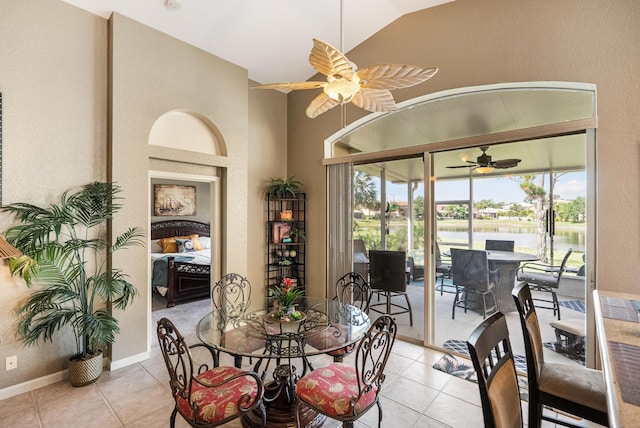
(464, 323)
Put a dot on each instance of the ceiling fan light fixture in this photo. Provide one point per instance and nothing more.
(484, 169)
(342, 90)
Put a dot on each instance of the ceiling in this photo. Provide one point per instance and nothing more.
(251, 33)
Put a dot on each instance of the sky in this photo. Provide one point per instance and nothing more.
(569, 186)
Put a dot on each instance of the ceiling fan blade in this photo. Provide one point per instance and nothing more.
(329, 60)
(320, 104)
(463, 166)
(506, 163)
(291, 85)
(393, 76)
(375, 100)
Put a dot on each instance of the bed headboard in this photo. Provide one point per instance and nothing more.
(169, 228)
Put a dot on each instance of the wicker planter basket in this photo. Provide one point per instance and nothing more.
(87, 371)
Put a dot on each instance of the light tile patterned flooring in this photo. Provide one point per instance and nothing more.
(414, 395)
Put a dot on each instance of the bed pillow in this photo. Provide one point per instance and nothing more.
(205, 241)
(169, 244)
(155, 247)
(185, 245)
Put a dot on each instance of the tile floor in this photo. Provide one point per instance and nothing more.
(414, 395)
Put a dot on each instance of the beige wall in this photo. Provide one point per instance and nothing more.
(494, 41)
(54, 78)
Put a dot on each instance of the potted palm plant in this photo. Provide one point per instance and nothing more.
(65, 250)
(284, 187)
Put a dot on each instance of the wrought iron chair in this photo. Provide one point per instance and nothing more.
(574, 389)
(471, 276)
(354, 290)
(492, 357)
(345, 392)
(212, 396)
(388, 276)
(231, 297)
(544, 278)
(499, 245)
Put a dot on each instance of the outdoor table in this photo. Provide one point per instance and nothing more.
(508, 262)
(328, 324)
(618, 327)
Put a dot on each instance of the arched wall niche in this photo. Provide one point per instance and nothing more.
(185, 130)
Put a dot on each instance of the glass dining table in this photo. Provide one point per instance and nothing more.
(325, 326)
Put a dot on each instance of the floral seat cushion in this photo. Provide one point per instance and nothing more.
(220, 402)
(331, 388)
(330, 338)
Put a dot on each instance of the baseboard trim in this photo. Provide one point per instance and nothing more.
(32, 384)
(115, 365)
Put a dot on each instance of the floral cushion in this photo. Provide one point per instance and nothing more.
(220, 402)
(330, 338)
(330, 389)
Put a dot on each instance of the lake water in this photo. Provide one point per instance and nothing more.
(525, 237)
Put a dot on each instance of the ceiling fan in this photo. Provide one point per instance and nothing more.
(485, 165)
(367, 87)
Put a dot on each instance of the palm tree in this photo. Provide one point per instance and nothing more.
(364, 190)
(64, 252)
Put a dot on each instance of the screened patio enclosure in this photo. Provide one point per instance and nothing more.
(556, 148)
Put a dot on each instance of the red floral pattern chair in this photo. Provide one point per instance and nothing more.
(351, 288)
(345, 392)
(213, 396)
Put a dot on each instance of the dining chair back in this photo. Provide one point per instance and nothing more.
(492, 356)
(231, 298)
(388, 276)
(570, 388)
(470, 274)
(343, 391)
(212, 396)
(545, 278)
(499, 245)
(353, 289)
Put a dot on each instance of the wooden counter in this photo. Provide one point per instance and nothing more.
(618, 327)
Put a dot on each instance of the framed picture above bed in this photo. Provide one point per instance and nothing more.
(174, 200)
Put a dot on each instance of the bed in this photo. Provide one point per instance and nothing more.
(181, 274)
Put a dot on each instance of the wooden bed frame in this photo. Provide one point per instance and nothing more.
(185, 281)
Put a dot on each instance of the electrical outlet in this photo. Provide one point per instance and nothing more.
(12, 362)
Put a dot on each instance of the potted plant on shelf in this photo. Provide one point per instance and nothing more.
(296, 235)
(284, 187)
(65, 250)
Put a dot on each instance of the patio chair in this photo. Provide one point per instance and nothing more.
(415, 271)
(213, 396)
(471, 276)
(443, 270)
(544, 278)
(570, 388)
(499, 245)
(343, 391)
(387, 276)
(492, 357)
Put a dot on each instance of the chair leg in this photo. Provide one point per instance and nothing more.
(172, 422)
(406, 296)
(556, 304)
